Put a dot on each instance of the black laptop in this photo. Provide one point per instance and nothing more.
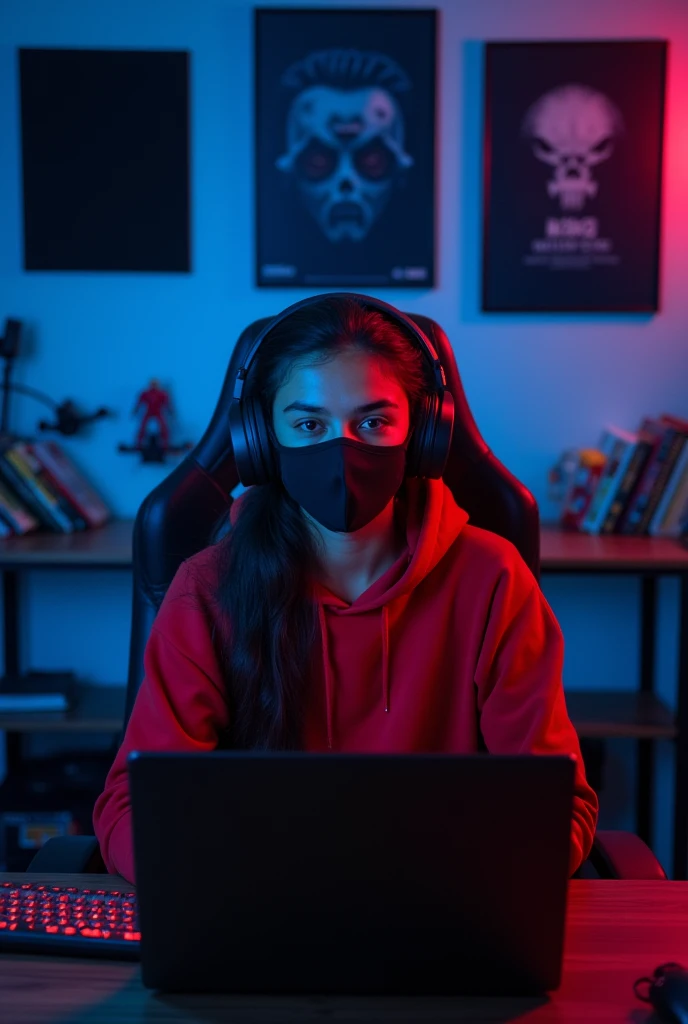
(348, 874)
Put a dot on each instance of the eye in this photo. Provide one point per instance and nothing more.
(304, 423)
(376, 419)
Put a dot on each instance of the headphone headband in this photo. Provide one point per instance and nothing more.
(382, 307)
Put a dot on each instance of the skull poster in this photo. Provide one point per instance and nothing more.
(345, 134)
(572, 173)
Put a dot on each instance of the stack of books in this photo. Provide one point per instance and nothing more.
(41, 488)
(39, 692)
(633, 483)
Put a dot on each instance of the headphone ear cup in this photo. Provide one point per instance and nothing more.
(429, 449)
(253, 452)
(263, 453)
(240, 446)
(417, 442)
(442, 435)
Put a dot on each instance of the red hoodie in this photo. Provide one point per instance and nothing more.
(453, 643)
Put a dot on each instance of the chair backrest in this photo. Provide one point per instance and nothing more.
(177, 518)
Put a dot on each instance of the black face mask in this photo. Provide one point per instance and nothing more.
(343, 484)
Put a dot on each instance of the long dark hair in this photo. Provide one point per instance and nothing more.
(268, 558)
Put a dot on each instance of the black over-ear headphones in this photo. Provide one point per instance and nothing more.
(428, 449)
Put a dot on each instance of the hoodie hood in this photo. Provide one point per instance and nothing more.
(433, 522)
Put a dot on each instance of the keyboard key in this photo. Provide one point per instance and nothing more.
(38, 917)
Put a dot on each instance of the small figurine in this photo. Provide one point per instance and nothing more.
(69, 420)
(154, 444)
(574, 480)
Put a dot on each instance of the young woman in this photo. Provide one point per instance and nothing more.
(348, 607)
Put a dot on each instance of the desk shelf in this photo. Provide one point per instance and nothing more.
(567, 552)
(605, 714)
(108, 547)
(640, 715)
(97, 708)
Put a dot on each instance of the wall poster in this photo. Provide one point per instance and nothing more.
(344, 147)
(572, 175)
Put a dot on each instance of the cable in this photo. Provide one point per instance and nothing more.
(33, 393)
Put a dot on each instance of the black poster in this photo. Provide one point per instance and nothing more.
(573, 166)
(105, 159)
(345, 134)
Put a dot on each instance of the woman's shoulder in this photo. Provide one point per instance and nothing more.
(489, 554)
(195, 582)
(188, 617)
(203, 567)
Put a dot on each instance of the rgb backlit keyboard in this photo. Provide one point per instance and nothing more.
(58, 919)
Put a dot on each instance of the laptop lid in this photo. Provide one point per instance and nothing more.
(347, 873)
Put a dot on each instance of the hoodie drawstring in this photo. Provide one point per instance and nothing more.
(328, 673)
(327, 667)
(385, 657)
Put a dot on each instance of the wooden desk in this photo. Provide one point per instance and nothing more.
(616, 932)
(638, 714)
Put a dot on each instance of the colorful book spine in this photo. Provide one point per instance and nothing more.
(666, 468)
(669, 513)
(70, 482)
(641, 453)
(15, 514)
(634, 513)
(59, 505)
(618, 447)
(19, 477)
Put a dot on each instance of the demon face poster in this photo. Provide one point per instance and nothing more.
(345, 147)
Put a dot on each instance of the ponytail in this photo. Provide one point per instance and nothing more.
(266, 569)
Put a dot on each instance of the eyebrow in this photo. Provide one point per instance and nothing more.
(370, 407)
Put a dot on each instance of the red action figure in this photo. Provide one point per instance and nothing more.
(153, 445)
(156, 402)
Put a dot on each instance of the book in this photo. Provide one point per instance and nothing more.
(664, 435)
(15, 514)
(15, 481)
(22, 702)
(643, 445)
(39, 691)
(22, 450)
(666, 521)
(41, 501)
(70, 482)
(618, 447)
(670, 518)
(666, 466)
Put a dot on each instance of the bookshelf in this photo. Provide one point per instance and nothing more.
(97, 708)
(635, 714)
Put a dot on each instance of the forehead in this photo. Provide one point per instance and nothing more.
(350, 376)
